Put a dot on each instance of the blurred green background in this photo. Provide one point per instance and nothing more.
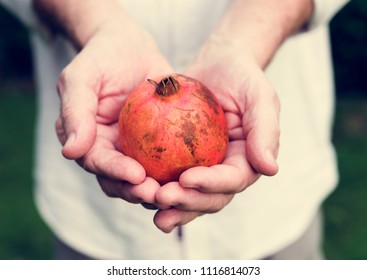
(23, 235)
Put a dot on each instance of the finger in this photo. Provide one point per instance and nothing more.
(159, 67)
(191, 199)
(235, 128)
(233, 176)
(215, 179)
(262, 131)
(168, 220)
(77, 113)
(104, 160)
(60, 131)
(140, 193)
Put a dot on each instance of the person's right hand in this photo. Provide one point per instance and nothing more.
(92, 89)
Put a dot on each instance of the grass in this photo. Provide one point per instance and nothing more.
(346, 208)
(23, 235)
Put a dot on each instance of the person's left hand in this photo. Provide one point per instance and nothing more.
(252, 111)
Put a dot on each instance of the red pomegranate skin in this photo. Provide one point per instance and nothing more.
(171, 124)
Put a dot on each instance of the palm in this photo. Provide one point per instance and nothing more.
(250, 106)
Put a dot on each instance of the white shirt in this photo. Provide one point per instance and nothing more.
(265, 218)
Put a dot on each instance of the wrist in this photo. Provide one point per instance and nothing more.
(220, 51)
(258, 27)
(78, 22)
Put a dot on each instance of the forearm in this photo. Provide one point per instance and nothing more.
(78, 20)
(260, 26)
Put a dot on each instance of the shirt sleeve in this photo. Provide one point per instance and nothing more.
(324, 10)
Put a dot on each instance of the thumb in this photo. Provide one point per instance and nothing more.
(160, 68)
(261, 126)
(76, 126)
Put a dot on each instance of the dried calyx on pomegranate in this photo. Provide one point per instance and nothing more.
(171, 124)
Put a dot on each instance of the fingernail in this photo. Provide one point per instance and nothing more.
(71, 139)
(270, 156)
(272, 160)
(149, 206)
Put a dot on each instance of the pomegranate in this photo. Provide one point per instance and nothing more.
(172, 124)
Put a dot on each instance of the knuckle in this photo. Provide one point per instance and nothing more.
(136, 195)
(107, 191)
(276, 101)
(106, 188)
(110, 191)
(89, 163)
(67, 114)
(220, 202)
(59, 128)
(64, 78)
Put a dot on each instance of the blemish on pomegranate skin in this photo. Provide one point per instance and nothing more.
(149, 137)
(207, 98)
(156, 153)
(187, 134)
(184, 109)
(159, 149)
(128, 108)
(197, 117)
(204, 131)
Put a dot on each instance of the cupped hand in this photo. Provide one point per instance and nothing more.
(92, 90)
(252, 110)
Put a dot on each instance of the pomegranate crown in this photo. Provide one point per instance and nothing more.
(166, 87)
